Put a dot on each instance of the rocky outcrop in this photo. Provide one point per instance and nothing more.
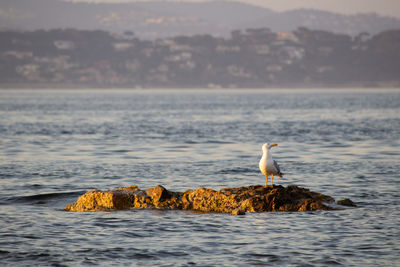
(237, 201)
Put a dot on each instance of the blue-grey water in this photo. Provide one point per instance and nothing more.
(58, 144)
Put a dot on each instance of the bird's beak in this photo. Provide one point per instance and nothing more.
(274, 145)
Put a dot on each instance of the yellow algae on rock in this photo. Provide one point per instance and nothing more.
(236, 201)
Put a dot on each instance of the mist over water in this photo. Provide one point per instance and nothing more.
(56, 145)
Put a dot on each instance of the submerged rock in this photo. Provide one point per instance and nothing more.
(346, 202)
(236, 201)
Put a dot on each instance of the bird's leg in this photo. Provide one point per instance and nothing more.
(272, 180)
(266, 180)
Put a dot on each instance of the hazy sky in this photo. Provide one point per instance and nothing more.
(383, 7)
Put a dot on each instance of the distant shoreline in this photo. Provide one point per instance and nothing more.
(256, 58)
(16, 86)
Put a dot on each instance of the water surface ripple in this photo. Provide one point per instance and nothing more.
(56, 145)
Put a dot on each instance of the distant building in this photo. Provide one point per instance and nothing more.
(225, 48)
(122, 46)
(287, 36)
(18, 54)
(64, 45)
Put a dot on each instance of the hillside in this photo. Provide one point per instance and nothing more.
(251, 58)
(152, 20)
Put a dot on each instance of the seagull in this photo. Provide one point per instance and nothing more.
(267, 165)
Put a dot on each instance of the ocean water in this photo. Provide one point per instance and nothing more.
(57, 144)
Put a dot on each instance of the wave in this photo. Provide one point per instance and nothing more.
(235, 170)
(42, 198)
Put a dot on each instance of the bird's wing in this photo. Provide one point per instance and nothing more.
(277, 168)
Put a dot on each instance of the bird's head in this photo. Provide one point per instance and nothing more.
(267, 146)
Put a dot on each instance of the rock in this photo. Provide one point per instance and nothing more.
(346, 202)
(158, 193)
(98, 201)
(237, 212)
(236, 201)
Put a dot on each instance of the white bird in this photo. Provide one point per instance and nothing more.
(267, 165)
